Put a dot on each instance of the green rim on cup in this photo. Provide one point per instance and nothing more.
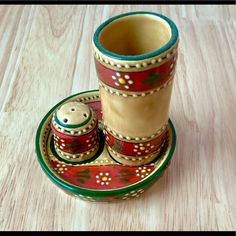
(171, 42)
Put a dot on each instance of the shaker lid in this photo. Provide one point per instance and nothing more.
(74, 116)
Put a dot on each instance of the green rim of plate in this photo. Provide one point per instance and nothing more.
(89, 192)
(169, 44)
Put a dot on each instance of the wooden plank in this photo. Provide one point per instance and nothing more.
(46, 56)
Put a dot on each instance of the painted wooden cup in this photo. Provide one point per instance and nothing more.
(135, 58)
(75, 130)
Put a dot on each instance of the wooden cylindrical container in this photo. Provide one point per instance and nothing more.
(135, 58)
(75, 130)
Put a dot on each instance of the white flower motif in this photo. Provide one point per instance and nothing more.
(60, 169)
(143, 149)
(122, 81)
(103, 178)
(143, 171)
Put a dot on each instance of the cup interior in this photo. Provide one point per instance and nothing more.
(135, 34)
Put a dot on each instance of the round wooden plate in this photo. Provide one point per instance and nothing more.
(100, 179)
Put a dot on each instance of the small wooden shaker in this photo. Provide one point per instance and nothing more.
(75, 129)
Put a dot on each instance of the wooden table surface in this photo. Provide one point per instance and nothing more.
(45, 56)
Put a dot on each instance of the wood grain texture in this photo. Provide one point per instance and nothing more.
(46, 56)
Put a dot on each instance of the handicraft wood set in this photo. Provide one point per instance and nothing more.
(115, 142)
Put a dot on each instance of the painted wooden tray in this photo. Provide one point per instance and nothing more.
(101, 178)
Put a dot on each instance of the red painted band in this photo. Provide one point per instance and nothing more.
(135, 149)
(75, 144)
(135, 81)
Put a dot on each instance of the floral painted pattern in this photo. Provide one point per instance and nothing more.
(136, 81)
(143, 148)
(60, 168)
(143, 171)
(130, 148)
(154, 79)
(122, 81)
(102, 176)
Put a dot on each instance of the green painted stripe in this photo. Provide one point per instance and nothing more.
(169, 44)
(70, 125)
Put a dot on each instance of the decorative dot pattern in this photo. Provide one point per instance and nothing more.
(147, 63)
(136, 94)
